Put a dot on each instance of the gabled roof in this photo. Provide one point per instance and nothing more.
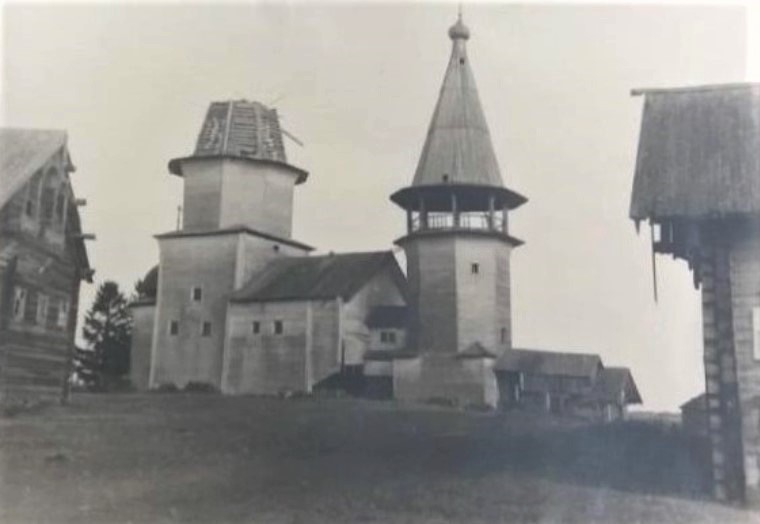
(696, 403)
(317, 277)
(699, 153)
(387, 317)
(22, 153)
(611, 381)
(458, 142)
(554, 363)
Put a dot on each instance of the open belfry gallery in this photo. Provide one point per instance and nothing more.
(238, 303)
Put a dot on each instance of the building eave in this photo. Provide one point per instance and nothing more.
(176, 164)
(232, 231)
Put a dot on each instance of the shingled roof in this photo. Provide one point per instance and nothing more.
(22, 153)
(551, 363)
(317, 277)
(458, 142)
(243, 130)
(699, 153)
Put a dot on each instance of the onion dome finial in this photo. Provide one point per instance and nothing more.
(459, 30)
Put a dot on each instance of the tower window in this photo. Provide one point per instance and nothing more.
(278, 327)
(255, 327)
(206, 329)
(387, 337)
(474, 268)
(173, 328)
(197, 294)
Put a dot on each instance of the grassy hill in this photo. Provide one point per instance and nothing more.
(207, 458)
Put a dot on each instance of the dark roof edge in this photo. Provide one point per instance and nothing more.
(691, 89)
(505, 237)
(175, 164)
(232, 231)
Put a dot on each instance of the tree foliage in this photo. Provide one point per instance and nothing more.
(107, 331)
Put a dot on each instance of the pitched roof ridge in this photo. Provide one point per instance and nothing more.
(695, 88)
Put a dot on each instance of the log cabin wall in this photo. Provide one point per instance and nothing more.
(745, 303)
(724, 417)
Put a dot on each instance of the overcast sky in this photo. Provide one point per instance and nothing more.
(357, 84)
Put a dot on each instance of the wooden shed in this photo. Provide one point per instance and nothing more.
(42, 261)
(697, 182)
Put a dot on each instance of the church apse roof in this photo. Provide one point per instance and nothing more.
(317, 277)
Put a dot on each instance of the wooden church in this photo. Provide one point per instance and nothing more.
(697, 182)
(237, 303)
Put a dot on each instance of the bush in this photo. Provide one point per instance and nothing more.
(166, 387)
(479, 407)
(200, 387)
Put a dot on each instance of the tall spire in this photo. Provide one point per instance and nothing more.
(458, 146)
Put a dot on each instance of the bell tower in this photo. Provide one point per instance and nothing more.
(457, 242)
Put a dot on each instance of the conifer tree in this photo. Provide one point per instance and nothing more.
(107, 331)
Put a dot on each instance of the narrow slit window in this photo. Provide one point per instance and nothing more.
(206, 329)
(474, 268)
(278, 327)
(173, 328)
(63, 313)
(255, 327)
(19, 302)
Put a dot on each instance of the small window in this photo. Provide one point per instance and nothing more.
(60, 206)
(30, 307)
(503, 335)
(388, 337)
(48, 203)
(474, 268)
(19, 301)
(206, 329)
(197, 294)
(445, 179)
(63, 313)
(276, 248)
(255, 327)
(173, 328)
(278, 327)
(42, 308)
